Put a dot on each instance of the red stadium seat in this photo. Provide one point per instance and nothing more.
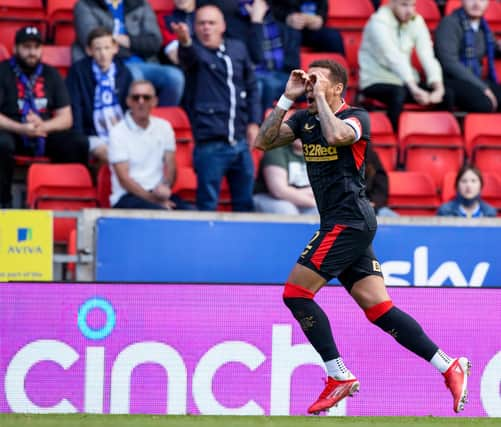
(412, 193)
(60, 17)
(491, 191)
(180, 122)
(60, 187)
(428, 9)
(351, 42)
(9, 28)
(72, 250)
(186, 183)
(349, 14)
(257, 155)
(482, 133)
(28, 160)
(57, 56)
(21, 10)
(4, 53)
(162, 6)
(430, 142)
(104, 186)
(186, 188)
(383, 139)
(448, 188)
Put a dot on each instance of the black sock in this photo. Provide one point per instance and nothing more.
(407, 332)
(315, 325)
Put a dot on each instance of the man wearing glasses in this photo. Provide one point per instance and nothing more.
(141, 155)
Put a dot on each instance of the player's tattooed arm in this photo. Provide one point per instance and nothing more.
(273, 132)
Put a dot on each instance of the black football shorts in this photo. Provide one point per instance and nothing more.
(342, 252)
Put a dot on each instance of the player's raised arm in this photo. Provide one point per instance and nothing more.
(273, 132)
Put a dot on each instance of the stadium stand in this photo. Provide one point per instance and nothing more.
(482, 134)
(412, 193)
(430, 142)
(383, 139)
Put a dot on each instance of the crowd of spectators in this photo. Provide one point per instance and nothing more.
(225, 62)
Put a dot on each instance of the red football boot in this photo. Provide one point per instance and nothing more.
(334, 391)
(456, 379)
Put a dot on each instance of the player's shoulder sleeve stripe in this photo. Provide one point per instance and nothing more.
(355, 124)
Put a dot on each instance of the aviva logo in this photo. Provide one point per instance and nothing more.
(24, 234)
(319, 153)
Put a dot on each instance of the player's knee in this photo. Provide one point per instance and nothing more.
(377, 311)
(292, 292)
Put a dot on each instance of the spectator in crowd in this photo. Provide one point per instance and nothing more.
(376, 182)
(282, 185)
(467, 203)
(135, 28)
(462, 41)
(223, 105)
(142, 154)
(184, 12)
(98, 85)
(386, 71)
(35, 112)
(244, 21)
(281, 49)
(273, 46)
(309, 17)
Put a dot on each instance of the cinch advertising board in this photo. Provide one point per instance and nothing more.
(26, 245)
(209, 349)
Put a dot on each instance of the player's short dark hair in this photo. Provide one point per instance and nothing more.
(338, 73)
(467, 167)
(98, 32)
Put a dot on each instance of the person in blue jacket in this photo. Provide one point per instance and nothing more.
(223, 105)
(98, 86)
(467, 203)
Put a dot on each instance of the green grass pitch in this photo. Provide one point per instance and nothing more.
(84, 420)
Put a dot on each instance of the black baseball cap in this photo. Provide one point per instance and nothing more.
(29, 33)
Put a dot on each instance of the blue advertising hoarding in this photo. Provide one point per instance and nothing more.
(158, 250)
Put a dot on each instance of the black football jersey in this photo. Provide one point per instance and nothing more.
(337, 174)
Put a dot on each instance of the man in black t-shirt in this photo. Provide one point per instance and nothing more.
(335, 139)
(35, 112)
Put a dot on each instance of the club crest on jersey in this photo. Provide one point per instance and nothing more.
(319, 153)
